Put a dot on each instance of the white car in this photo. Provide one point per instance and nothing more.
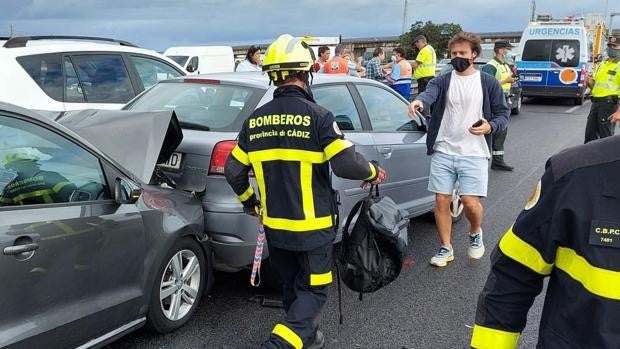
(61, 73)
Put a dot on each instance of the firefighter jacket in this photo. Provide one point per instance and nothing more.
(289, 144)
(33, 186)
(569, 231)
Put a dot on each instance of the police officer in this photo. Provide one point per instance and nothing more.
(29, 184)
(605, 86)
(498, 68)
(569, 231)
(425, 63)
(289, 143)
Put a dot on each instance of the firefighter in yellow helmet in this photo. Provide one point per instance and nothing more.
(289, 143)
(29, 184)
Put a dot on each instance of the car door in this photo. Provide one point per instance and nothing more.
(72, 258)
(400, 143)
(337, 98)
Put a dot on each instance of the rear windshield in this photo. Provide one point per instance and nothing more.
(564, 53)
(179, 59)
(200, 106)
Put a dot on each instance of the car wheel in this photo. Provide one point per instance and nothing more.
(579, 100)
(517, 109)
(456, 205)
(178, 286)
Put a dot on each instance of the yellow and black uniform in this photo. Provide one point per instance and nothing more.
(605, 93)
(569, 231)
(33, 186)
(289, 143)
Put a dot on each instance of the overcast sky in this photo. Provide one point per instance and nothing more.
(158, 24)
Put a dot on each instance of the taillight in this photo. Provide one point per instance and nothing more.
(582, 79)
(219, 156)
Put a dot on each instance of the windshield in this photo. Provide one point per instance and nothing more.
(181, 60)
(199, 106)
(564, 53)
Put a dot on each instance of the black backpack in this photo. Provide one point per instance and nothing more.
(372, 253)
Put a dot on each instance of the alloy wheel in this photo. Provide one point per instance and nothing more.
(179, 285)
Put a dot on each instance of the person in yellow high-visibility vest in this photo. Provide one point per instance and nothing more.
(498, 68)
(605, 86)
(425, 63)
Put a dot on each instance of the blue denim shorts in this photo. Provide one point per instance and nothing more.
(471, 173)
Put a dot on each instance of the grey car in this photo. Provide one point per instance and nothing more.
(90, 250)
(211, 109)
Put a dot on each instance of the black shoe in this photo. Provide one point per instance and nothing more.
(319, 341)
(501, 166)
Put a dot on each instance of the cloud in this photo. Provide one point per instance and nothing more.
(158, 24)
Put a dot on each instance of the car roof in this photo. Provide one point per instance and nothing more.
(50, 46)
(261, 80)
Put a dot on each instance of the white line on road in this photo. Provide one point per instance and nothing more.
(570, 110)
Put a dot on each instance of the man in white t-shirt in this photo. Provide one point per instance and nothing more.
(467, 106)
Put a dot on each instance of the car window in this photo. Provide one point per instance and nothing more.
(338, 100)
(152, 71)
(46, 71)
(73, 90)
(38, 166)
(386, 111)
(103, 78)
(211, 106)
(564, 53)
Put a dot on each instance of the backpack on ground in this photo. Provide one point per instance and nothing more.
(372, 253)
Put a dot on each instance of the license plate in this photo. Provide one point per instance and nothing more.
(531, 77)
(173, 163)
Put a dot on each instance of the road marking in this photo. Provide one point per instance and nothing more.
(570, 110)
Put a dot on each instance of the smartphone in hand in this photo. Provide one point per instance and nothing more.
(477, 123)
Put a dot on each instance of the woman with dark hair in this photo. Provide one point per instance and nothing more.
(252, 61)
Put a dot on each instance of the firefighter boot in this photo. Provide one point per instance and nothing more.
(499, 164)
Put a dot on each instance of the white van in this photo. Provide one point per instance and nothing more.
(555, 58)
(317, 41)
(203, 59)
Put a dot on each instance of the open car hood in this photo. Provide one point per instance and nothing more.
(135, 140)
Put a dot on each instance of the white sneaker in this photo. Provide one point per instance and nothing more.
(443, 256)
(476, 246)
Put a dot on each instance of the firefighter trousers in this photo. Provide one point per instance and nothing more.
(305, 276)
(598, 124)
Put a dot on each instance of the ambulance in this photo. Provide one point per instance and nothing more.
(557, 55)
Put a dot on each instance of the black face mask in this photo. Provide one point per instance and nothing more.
(460, 64)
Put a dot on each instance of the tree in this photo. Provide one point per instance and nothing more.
(437, 36)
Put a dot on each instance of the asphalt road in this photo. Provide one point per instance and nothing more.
(426, 307)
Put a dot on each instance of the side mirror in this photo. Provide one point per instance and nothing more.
(190, 68)
(125, 193)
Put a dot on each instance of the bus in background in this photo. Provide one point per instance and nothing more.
(557, 55)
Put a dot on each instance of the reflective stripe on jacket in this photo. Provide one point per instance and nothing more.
(569, 231)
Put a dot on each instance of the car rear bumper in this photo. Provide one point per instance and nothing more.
(552, 91)
(233, 239)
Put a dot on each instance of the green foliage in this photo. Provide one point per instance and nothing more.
(437, 35)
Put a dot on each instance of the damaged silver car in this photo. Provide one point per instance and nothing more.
(92, 246)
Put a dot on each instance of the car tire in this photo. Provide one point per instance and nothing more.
(579, 100)
(174, 299)
(456, 206)
(517, 109)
